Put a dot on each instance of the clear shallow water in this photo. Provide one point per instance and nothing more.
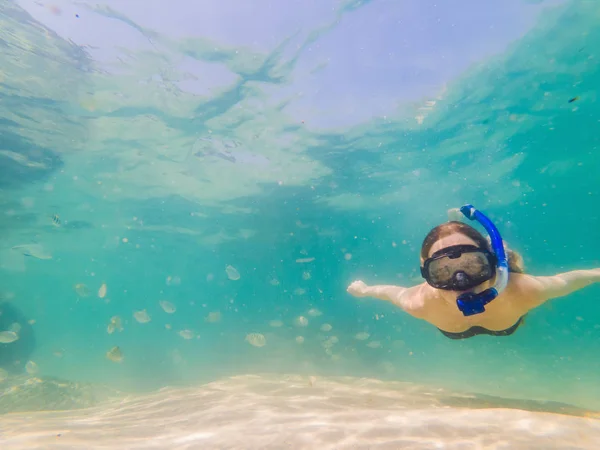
(186, 155)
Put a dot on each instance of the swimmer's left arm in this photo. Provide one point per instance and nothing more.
(547, 288)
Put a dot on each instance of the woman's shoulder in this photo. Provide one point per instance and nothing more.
(524, 288)
(415, 299)
(520, 280)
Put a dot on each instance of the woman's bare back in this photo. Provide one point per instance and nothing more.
(512, 304)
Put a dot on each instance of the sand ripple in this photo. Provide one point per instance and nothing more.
(268, 412)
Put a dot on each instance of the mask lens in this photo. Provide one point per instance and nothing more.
(459, 270)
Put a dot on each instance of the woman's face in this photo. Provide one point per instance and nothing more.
(455, 239)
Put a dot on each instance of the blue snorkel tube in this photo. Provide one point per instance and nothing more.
(471, 303)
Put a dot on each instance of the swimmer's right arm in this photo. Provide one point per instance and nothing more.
(409, 299)
(388, 293)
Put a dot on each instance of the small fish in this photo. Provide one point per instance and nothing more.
(31, 368)
(574, 99)
(115, 355)
(102, 290)
(167, 307)
(314, 312)
(186, 334)
(362, 336)
(115, 324)
(56, 220)
(301, 321)
(6, 337)
(232, 273)
(213, 317)
(141, 316)
(82, 290)
(256, 339)
(304, 260)
(33, 250)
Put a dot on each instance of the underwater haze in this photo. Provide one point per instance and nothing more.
(187, 189)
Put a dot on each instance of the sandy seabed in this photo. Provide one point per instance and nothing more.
(299, 412)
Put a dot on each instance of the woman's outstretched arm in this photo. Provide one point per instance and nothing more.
(388, 293)
(547, 288)
(409, 299)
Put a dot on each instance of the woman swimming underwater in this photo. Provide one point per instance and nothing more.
(468, 290)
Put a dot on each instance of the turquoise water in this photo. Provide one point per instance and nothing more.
(158, 190)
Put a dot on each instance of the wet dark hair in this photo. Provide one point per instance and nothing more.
(515, 261)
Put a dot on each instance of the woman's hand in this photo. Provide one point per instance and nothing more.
(358, 289)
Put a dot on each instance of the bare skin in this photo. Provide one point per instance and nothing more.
(438, 307)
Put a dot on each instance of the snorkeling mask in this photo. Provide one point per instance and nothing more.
(463, 267)
(459, 267)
